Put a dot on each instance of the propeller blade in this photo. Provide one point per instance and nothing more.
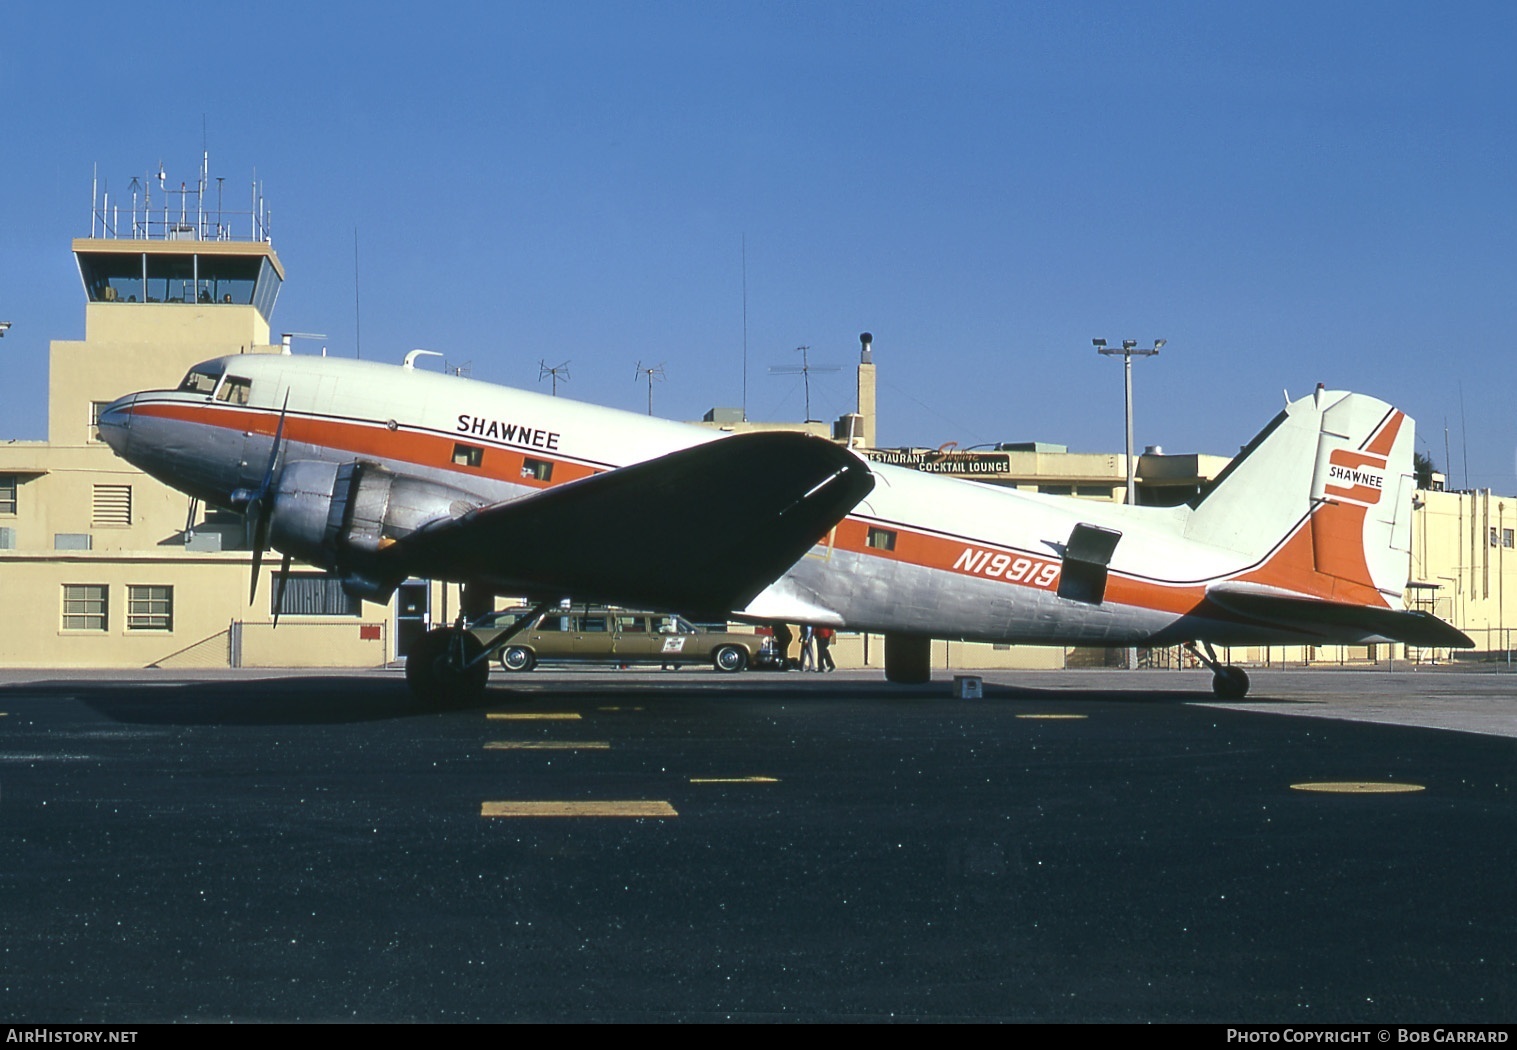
(274, 449)
(279, 582)
(261, 506)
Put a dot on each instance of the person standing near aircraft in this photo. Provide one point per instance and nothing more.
(782, 637)
(808, 648)
(824, 662)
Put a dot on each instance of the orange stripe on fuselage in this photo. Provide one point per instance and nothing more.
(422, 448)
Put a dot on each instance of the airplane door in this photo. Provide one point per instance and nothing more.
(413, 608)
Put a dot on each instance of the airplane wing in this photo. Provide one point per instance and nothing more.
(702, 529)
(1333, 619)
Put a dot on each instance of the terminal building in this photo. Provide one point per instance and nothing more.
(102, 566)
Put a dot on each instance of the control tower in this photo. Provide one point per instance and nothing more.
(173, 274)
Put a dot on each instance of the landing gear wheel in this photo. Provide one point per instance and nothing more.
(730, 659)
(515, 658)
(443, 667)
(1230, 683)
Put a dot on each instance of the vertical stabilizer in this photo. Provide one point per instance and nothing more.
(1320, 501)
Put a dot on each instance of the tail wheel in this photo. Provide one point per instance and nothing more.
(515, 658)
(443, 667)
(1230, 683)
(730, 659)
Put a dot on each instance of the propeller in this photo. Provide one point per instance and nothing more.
(260, 507)
(279, 582)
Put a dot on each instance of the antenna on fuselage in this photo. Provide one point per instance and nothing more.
(410, 361)
(656, 372)
(557, 370)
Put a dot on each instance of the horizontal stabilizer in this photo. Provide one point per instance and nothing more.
(1338, 620)
(702, 529)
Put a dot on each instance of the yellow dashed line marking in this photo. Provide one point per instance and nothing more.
(618, 708)
(734, 780)
(532, 716)
(577, 809)
(1052, 718)
(1356, 787)
(548, 745)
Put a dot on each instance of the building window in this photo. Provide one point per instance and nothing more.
(312, 594)
(7, 493)
(84, 607)
(1507, 537)
(468, 455)
(1493, 538)
(113, 505)
(537, 469)
(96, 407)
(150, 608)
(881, 539)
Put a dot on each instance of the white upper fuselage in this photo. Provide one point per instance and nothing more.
(921, 554)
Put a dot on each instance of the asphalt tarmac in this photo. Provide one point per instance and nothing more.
(630, 846)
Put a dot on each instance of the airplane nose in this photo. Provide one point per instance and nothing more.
(115, 423)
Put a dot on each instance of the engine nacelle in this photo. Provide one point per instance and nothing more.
(342, 517)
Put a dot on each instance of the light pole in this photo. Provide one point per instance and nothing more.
(1129, 349)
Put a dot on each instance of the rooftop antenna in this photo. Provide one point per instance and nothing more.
(745, 327)
(555, 372)
(656, 372)
(804, 372)
(357, 313)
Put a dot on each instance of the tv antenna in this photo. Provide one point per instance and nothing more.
(650, 374)
(804, 372)
(557, 370)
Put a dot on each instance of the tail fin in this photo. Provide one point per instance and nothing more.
(1320, 502)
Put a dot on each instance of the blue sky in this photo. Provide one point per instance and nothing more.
(1287, 192)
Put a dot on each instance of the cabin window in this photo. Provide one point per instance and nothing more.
(881, 539)
(537, 469)
(85, 606)
(632, 624)
(468, 455)
(235, 391)
(592, 624)
(200, 381)
(150, 608)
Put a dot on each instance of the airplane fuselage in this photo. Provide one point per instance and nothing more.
(921, 554)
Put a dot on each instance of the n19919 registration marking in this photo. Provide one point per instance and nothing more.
(1013, 568)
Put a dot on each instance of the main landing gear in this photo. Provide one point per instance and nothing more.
(1227, 682)
(450, 665)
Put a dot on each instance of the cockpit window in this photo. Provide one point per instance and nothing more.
(235, 390)
(200, 381)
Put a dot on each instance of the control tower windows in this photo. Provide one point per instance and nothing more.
(156, 277)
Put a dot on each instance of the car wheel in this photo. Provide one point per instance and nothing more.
(730, 659)
(515, 658)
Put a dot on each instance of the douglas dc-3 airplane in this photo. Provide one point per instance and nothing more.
(378, 473)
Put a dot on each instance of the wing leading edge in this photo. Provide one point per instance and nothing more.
(702, 529)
